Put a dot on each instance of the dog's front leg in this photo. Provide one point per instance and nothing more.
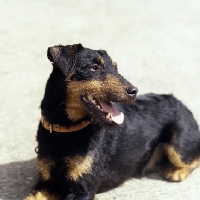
(79, 197)
(82, 184)
(81, 192)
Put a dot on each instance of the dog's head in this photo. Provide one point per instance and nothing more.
(93, 84)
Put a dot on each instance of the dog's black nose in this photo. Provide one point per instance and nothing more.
(132, 91)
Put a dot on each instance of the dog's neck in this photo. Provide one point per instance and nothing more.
(54, 117)
(63, 129)
(53, 104)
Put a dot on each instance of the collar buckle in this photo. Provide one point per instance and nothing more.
(50, 128)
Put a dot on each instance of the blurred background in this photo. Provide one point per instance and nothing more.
(156, 45)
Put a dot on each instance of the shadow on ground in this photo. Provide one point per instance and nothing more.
(16, 179)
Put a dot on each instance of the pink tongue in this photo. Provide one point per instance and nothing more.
(117, 117)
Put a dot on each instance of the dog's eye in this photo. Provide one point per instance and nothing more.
(94, 67)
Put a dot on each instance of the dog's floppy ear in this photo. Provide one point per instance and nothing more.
(64, 57)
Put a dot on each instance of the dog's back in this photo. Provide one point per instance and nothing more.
(155, 133)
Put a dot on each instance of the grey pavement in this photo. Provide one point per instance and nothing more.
(156, 44)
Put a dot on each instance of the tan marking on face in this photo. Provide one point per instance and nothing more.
(99, 89)
(42, 195)
(69, 76)
(114, 64)
(78, 166)
(100, 60)
(45, 166)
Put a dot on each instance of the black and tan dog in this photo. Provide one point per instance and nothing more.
(87, 145)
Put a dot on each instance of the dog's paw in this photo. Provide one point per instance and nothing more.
(177, 174)
(42, 195)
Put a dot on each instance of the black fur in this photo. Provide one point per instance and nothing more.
(119, 152)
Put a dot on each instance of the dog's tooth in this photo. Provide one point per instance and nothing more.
(90, 97)
(108, 116)
(93, 101)
(99, 107)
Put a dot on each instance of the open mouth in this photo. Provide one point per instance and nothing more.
(104, 109)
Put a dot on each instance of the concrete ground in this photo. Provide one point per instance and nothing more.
(155, 43)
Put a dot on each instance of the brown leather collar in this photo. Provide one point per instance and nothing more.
(63, 129)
